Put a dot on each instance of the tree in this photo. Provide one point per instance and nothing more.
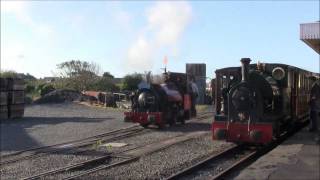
(26, 77)
(45, 89)
(8, 74)
(13, 74)
(131, 81)
(104, 84)
(79, 74)
(107, 75)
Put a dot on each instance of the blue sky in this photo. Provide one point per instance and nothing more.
(126, 37)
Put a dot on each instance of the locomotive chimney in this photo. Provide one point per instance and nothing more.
(245, 68)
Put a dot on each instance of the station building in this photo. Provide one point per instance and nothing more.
(310, 34)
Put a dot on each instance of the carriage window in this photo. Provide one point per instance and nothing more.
(299, 81)
(305, 83)
(302, 81)
(224, 82)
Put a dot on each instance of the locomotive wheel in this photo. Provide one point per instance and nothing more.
(187, 114)
(182, 120)
(126, 119)
(161, 126)
(144, 125)
(277, 129)
(172, 122)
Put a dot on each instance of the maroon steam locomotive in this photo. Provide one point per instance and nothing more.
(161, 104)
(257, 102)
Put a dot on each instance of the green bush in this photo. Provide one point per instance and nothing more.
(28, 100)
(45, 89)
(8, 74)
(30, 88)
(104, 84)
(131, 81)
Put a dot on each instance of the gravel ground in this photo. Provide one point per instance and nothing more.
(40, 164)
(215, 168)
(155, 135)
(55, 123)
(45, 163)
(164, 163)
(37, 165)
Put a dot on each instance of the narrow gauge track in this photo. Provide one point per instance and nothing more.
(126, 156)
(38, 151)
(72, 145)
(99, 162)
(218, 166)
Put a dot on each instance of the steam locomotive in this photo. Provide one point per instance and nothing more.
(255, 103)
(162, 104)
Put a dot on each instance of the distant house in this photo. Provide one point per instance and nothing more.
(50, 79)
(117, 80)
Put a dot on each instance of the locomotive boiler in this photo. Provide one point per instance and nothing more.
(255, 103)
(161, 104)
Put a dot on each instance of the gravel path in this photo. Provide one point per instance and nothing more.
(45, 163)
(164, 163)
(55, 123)
(40, 164)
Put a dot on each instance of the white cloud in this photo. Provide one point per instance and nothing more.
(16, 7)
(13, 57)
(17, 54)
(166, 23)
(77, 21)
(122, 18)
(119, 16)
(168, 20)
(140, 54)
(21, 10)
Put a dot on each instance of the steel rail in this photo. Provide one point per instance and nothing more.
(242, 162)
(100, 160)
(198, 166)
(78, 140)
(102, 167)
(74, 146)
(68, 142)
(236, 165)
(134, 158)
(73, 166)
(97, 160)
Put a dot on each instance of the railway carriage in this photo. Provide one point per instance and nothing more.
(255, 103)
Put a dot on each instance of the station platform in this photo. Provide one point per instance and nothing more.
(296, 158)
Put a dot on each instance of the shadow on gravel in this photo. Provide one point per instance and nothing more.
(15, 136)
(188, 127)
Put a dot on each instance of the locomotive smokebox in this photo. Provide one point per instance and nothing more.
(245, 68)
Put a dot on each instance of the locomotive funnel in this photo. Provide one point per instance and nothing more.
(245, 68)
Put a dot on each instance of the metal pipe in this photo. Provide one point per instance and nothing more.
(245, 68)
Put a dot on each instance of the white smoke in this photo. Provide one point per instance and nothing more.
(166, 23)
(168, 20)
(139, 54)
